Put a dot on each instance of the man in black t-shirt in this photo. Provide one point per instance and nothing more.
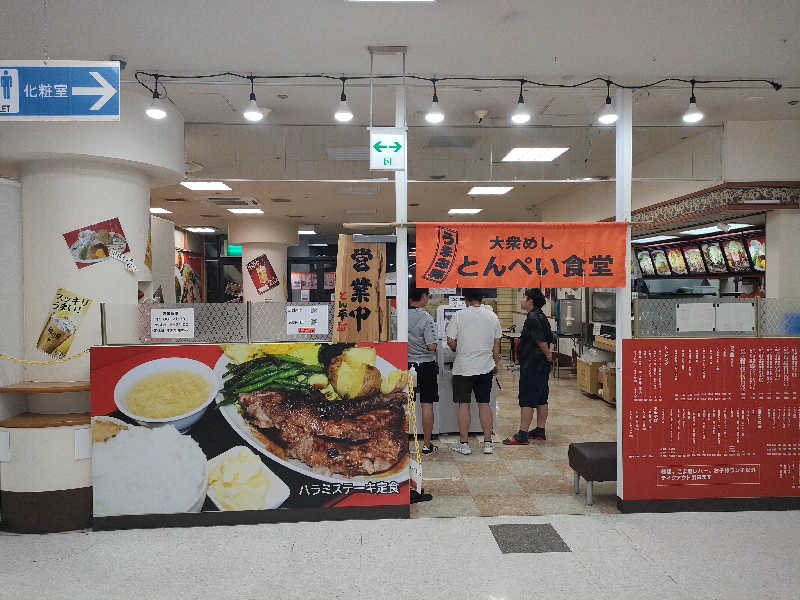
(535, 359)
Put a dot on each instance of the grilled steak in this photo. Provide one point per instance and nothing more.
(351, 437)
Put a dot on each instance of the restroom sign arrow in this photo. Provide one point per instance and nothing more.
(387, 149)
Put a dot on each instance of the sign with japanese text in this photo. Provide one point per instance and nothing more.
(710, 418)
(308, 319)
(519, 255)
(262, 274)
(59, 90)
(207, 434)
(175, 323)
(387, 149)
(66, 314)
(360, 307)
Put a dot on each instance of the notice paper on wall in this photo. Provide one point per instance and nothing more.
(456, 302)
(735, 316)
(694, 317)
(308, 320)
(176, 323)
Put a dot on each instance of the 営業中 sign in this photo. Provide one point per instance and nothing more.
(307, 320)
(59, 90)
(176, 323)
(387, 149)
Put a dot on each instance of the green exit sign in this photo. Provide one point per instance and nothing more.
(234, 250)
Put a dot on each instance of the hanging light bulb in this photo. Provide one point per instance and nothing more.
(434, 115)
(343, 113)
(608, 116)
(155, 110)
(252, 112)
(520, 116)
(692, 114)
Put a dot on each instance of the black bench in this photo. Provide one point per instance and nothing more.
(594, 461)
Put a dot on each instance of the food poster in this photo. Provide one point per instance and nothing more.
(189, 277)
(304, 280)
(66, 314)
(148, 251)
(676, 261)
(694, 260)
(736, 255)
(661, 263)
(757, 249)
(211, 429)
(715, 260)
(646, 263)
(262, 274)
(93, 243)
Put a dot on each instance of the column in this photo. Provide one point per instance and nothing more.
(263, 237)
(624, 170)
(11, 301)
(783, 260)
(74, 174)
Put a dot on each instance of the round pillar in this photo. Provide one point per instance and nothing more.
(263, 237)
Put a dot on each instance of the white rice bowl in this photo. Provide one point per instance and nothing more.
(144, 471)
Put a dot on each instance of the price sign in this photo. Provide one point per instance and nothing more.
(307, 320)
(177, 323)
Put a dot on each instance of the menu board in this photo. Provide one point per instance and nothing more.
(661, 263)
(676, 261)
(710, 418)
(694, 260)
(646, 263)
(757, 249)
(715, 259)
(736, 256)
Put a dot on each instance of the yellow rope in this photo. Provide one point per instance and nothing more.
(43, 362)
(412, 412)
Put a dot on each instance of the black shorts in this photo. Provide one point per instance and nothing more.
(465, 385)
(427, 390)
(534, 387)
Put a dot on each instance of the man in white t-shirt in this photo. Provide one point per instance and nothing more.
(474, 334)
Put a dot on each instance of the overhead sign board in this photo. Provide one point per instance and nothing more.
(387, 149)
(61, 90)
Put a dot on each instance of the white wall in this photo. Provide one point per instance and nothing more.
(761, 151)
(11, 301)
(783, 259)
(162, 246)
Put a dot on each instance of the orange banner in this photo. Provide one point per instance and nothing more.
(521, 255)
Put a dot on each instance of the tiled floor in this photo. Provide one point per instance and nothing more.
(521, 480)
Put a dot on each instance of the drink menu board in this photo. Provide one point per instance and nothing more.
(711, 418)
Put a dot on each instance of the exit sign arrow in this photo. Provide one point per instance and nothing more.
(381, 147)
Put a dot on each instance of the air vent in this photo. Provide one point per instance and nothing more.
(233, 202)
(280, 200)
(358, 190)
(450, 141)
(350, 153)
(437, 177)
(361, 211)
(296, 216)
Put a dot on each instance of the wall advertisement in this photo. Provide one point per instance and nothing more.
(711, 418)
(193, 434)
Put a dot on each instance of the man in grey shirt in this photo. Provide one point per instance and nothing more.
(422, 356)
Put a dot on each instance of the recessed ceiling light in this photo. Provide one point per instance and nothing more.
(306, 230)
(533, 154)
(319, 245)
(655, 238)
(714, 229)
(206, 186)
(156, 210)
(246, 211)
(464, 211)
(201, 229)
(489, 190)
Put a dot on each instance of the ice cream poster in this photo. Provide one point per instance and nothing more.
(94, 243)
(62, 323)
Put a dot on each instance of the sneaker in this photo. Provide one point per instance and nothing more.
(537, 434)
(487, 448)
(461, 448)
(518, 439)
(426, 450)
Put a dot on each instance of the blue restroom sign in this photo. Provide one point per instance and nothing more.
(61, 90)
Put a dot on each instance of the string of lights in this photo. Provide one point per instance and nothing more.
(435, 115)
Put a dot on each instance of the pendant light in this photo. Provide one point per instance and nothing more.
(692, 114)
(520, 116)
(434, 116)
(155, 110)
(252, 112)
(343, 113)
(608, 116)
